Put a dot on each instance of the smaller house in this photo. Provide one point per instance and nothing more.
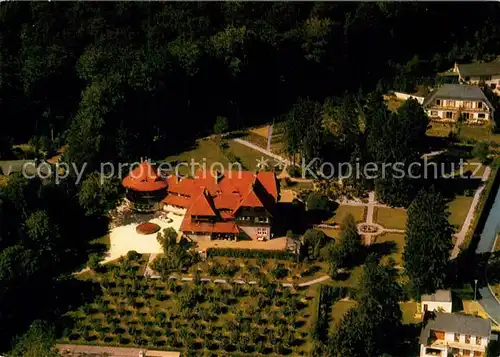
(439, 301)
(450, 101)
(474, 73)
(446, 334)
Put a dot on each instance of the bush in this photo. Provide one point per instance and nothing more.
(147, 228)
(94, 261)
(317, 202)
(249, 253)
(133, 255)
(294, 171)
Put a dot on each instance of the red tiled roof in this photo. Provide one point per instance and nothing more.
(144, 178)
(203, 205)
(206, 195)
(202, 227)
(179, 201)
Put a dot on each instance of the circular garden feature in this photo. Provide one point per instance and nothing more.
(147, 228)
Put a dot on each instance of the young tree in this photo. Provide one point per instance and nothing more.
(221, 125)
(428, 242)
(349, 249)
(481, 151)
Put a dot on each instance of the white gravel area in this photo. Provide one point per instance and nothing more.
(124, 239)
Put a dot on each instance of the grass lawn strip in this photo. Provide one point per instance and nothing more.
(393, 218)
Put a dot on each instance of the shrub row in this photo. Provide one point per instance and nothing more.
(327, 296)
(250, 253)
(483, 208)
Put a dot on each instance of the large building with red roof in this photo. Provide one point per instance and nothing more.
(218, 206)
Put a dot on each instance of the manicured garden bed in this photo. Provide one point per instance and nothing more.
(147, 228)
(202, 317)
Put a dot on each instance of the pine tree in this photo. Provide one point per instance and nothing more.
(428, 242)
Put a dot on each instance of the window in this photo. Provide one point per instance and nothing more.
(449, 115)
(478, 340)
(438, 102)
(457, 337)
(479, 105)
(450, 103)
(478, 354)
(493, 85)
(466, 116)
(481, 116)
(467, 338)
(454, 351)
(434, 113)
(466, 352)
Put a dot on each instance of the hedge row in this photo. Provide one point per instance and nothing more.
(326, 297)
(250, 253)
(483, 208)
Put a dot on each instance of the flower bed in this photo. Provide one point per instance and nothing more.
(147, 228)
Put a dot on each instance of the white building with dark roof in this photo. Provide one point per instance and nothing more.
(439, 301)
(450, 101)
(455, 335)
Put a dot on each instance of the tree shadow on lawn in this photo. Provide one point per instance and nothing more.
(382, 249)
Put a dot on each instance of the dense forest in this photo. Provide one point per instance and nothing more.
(129, 79)
(116, 81)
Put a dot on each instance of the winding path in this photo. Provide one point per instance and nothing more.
(262, 150)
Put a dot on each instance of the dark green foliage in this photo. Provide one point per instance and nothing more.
(38, 341)
(348, 250)
(317, 202)
(221, 125)
(371, 328)
(481, 151)
(312, 243)
(247, 253)
(428, 242)
(176, 256)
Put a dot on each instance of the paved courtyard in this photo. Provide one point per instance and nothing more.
(124, 238)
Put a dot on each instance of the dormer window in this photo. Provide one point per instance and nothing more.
(480, 105)
(438, 101)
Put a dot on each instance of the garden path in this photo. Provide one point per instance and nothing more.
(468, 219)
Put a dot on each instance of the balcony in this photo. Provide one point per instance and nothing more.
(484, 109)
(441, 345)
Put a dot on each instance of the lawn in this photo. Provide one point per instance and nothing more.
(390, 245)
(409, 309)
(330, 232)
(249, 156)
(470, 167)
(482, 133)
(339, 309)
(208, 151)
(394, 218)
(358, 212)
(458, 209)
(261, 130)
(202, 317)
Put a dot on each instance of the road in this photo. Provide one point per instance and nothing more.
(486, 244)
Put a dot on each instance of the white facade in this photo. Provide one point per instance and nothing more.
(436, 306)
(456, 346)
(447, 109)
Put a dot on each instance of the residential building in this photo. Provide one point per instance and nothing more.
(475, 73)
(446, 334)
(439, 301)
(449, 101)
(225, 206)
